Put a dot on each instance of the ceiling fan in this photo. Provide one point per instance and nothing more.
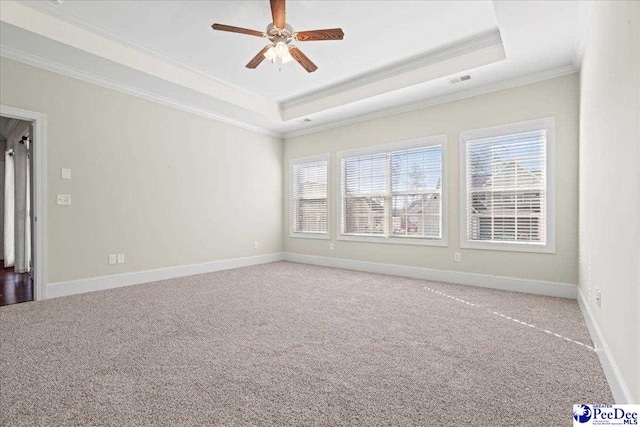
(281, 35)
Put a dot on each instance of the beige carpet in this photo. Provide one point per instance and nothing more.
(291, 344)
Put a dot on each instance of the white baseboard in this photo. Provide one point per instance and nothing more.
(60, 289)
(619, 388)
(616, 381)
(539, 287)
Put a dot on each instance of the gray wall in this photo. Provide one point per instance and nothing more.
(557, 97)
(610, 180)
(164, 187)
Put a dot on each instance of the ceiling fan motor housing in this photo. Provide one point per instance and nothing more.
(276, 34)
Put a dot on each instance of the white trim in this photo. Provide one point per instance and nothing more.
(394, 240)
(618, 386)
(58, 68)
(460, 47)
(300, 161)
(393, 146)
(39, 165)
(548, 124)
(531, 286)
(319, 236)
(443, 99)
(61, 31)
(60, 289)
(66, 16)
(46, 64)
(386, 148)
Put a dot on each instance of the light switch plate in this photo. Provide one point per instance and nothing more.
(120, 258)
(112, 259)
(66, 173)
(63, 199)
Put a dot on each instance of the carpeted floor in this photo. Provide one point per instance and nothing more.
(291, 344)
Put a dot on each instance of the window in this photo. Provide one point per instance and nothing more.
(507, 187)
(394, 193)
(309, 197)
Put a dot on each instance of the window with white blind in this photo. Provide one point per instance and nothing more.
(393, 193)
(310, 197)
(507, 187)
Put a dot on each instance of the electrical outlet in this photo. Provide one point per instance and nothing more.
(331, 246)
(457, 257)
(255, 245)
(120, 258)
(112, 259)
(66, 173)
(598, 298)
(63, 199)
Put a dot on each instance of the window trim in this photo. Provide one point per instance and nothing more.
(548, 124)
(385, 148)
(301, 161)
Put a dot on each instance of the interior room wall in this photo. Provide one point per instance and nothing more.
(557, 97)
(610, 181)
(164, 187)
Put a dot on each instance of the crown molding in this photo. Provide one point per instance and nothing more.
(461, 47)
(456, 96)
(55, 67)
(60, 31)
(46, 64)
(69, 18)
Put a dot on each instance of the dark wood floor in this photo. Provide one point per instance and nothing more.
(15, 287)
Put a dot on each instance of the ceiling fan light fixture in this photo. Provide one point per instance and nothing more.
(282, 49)
(270, 54)
(287, 57)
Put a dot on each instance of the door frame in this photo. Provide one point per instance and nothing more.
(39, 189)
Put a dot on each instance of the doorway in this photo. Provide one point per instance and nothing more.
(16, 279)
(38, 197)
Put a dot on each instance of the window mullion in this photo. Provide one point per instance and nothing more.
(388, 211)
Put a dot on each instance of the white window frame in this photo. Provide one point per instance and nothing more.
(548, 124)
(386, 148)
(301, 161)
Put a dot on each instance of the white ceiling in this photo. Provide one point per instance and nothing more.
(181, 31)
(389, 39)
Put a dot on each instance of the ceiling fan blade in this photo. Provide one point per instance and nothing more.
(302, 59)
(278, 13)
(329, 34)
(258, 58)
(229, 28)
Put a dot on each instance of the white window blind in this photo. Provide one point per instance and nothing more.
(309, 195)
(393, 194)
(506, 197)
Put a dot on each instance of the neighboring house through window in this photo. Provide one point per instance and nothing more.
(507, 187)
(309, 197)
(394, 193)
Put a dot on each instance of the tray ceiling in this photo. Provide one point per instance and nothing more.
(396, 54)
(377, 33)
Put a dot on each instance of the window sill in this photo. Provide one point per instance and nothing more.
(509, 247)
(394, 240)
(317, 236)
